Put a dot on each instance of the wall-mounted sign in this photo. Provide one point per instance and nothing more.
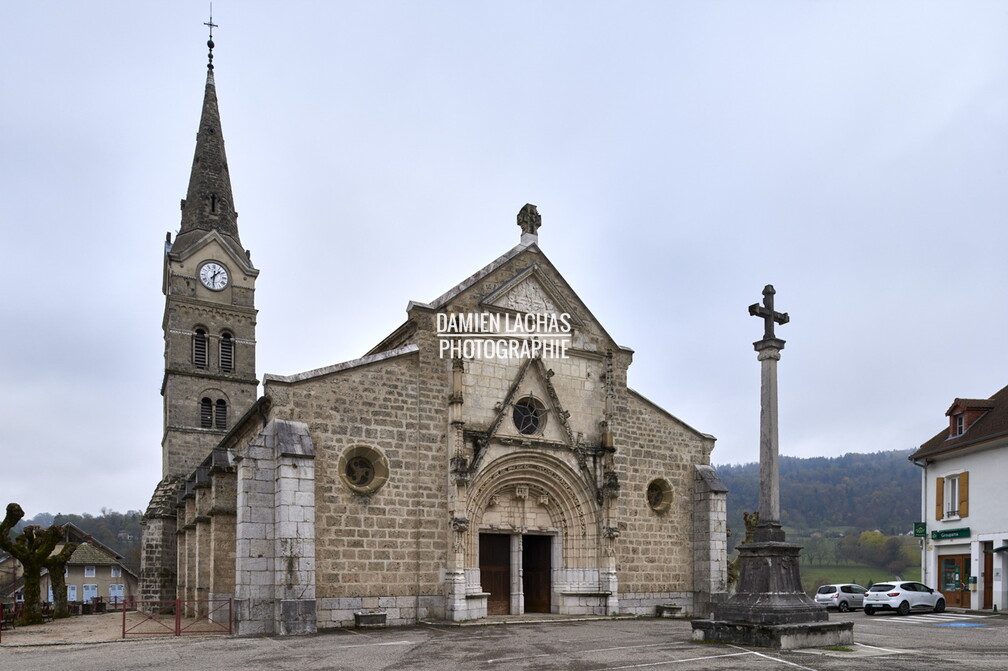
(950, 533)
(920, 529)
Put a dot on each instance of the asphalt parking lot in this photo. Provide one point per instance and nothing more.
(881, 642)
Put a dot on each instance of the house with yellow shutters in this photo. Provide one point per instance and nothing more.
(962, 498)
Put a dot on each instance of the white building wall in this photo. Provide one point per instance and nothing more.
(987, 520)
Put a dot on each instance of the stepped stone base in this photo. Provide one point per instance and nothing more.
(770, 609)
(778, 636)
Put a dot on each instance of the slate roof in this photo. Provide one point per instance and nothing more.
(990, 426)
(90, 555)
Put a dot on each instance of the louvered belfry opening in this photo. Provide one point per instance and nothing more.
(227, 352)
(206, 413)
(200, 349)
(221, 414)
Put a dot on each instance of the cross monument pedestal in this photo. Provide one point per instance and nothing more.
(769, 607)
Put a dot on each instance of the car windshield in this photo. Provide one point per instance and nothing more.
(882, 587)
(827, 589)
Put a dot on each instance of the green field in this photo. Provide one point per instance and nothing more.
(861, 575)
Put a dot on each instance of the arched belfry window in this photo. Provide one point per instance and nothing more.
(227, 352)
(220, 414)
(206, 413)
(200, 348)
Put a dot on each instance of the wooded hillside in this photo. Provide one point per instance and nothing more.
(832, 495)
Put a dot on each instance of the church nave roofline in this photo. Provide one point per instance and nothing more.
(346, 365)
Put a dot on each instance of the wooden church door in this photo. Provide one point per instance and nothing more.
(536, 569)
(495, 571)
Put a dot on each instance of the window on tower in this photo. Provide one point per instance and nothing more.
(200, 348)
(220, 417)
(227, 352)
(206, 413)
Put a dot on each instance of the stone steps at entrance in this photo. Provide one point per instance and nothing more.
(528, 618)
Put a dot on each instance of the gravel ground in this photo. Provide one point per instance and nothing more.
(91, 628)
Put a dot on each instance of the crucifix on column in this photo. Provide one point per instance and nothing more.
(769, 606)
(766, 311)
(769, 349)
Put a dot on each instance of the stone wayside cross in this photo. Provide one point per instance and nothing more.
(769, 607)
(769, 349)
(766, 311)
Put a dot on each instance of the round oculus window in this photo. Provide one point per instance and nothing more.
(529, 416)
(363, 469)
(659, 495)
(360, 471)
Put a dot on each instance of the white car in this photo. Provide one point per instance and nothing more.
(903, 597)
(843, 597)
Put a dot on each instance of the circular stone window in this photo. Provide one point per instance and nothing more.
(363, 469)
(529, 416)
(659, 495)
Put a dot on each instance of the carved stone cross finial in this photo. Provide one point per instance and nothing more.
(529, 220)
(766, 311)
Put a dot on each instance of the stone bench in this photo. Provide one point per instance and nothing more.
(364, 619)
(668, 610)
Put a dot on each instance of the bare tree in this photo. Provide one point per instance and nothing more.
(56, 565)
(33, 549)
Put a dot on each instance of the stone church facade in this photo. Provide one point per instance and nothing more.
(418, 481)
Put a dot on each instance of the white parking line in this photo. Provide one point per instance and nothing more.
(622, 647)
(875, 647)
(669, 662)
(929, 618)
(782, 661)
(374, 645)
(515, 659)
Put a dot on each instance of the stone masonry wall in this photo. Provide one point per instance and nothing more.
(655, 549)
(223, 503)
(374, 549)
(158, 569)
(275, 530)
(710, 540)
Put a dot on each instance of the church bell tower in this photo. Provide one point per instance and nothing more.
(209, 337)
(210, 316)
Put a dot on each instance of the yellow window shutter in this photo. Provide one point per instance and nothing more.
(964, 494)
(939, 498)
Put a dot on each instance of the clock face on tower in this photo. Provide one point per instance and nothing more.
(213, 276)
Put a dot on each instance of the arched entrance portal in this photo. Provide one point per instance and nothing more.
(535, 535)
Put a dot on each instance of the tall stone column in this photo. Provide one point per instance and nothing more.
(769, 528)
(769, 607)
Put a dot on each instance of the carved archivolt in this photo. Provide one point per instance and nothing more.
(534, 481)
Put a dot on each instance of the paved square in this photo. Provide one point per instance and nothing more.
(881, 641)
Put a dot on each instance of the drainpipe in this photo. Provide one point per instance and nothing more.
(924, 512)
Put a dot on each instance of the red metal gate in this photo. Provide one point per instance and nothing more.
(176, 618)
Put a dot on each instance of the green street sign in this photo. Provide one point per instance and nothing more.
(920, 529)
(950, 533)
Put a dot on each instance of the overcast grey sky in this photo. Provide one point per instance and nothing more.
(682, 155)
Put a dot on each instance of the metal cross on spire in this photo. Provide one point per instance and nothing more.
(211, 25)
(766, 311)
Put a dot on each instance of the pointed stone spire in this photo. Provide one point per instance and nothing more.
(208, 204)
(529, 221)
